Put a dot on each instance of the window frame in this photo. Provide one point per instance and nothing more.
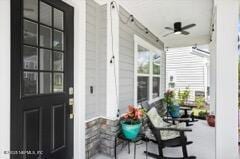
(140, 42)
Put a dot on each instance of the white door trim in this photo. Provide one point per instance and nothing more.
(79, 76)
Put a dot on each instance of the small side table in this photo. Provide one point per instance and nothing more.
(140, 137)
(186, 115)
(185, 109)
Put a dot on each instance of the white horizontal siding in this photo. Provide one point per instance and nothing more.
(95, 59)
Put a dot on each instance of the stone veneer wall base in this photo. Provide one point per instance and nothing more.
(100, 137)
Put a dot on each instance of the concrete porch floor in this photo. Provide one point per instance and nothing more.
(203, 146)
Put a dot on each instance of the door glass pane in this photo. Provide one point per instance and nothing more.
(58, 40)
(45, 59)
(45, 14)
(58, 61)
(58, 19)
(45, 82)
(58, 82)
(143, 87)
(45, 37)
(156, 64)
(156, 87)
(30, 58)
(30, 33)
(30, 83)
(31, 9)
(143, 60)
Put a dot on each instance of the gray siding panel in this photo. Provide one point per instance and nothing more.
(126, 60)
(95, 59)
(101, 59)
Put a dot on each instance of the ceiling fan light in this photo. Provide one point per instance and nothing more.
(177, 33)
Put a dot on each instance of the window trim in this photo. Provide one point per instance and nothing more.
(150, 47)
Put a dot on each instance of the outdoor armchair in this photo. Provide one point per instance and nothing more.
(167, 135)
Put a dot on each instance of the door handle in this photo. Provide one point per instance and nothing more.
(71, 101)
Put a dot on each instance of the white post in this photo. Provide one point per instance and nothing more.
(205, 76)
(5, 77)
(112, 67)
(79, 78)
(226, 78)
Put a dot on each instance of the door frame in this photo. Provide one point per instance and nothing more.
(15, 95)
(79, 76)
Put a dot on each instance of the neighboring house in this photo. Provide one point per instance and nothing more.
(188, 68)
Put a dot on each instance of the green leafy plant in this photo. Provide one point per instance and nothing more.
(169, 97)
(183, 96)
(203, 114)
(200, 102)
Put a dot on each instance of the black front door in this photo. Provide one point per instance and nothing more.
(41, 79)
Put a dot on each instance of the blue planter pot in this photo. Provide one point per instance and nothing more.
(174, 111)
(130, 131)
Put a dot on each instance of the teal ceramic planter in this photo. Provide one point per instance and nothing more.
(130, 131)
(174, 111)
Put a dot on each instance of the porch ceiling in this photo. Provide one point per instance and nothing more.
(157, 14)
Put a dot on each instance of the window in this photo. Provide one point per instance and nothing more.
(147, 71)
(43, 49)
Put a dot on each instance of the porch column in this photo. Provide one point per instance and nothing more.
(224, 76)
(5, 50)
(112, 85)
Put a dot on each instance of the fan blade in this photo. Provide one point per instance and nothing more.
(168, 34)
(168, 28)
(185, 32)
(188, 26)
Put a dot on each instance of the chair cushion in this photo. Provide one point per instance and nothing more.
(166, 135)
(155, 118)
(158, 122)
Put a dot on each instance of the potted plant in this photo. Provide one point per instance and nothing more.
(211, 120)
(200, 111)
(173, 108)
(183, 96)
(131, 122)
